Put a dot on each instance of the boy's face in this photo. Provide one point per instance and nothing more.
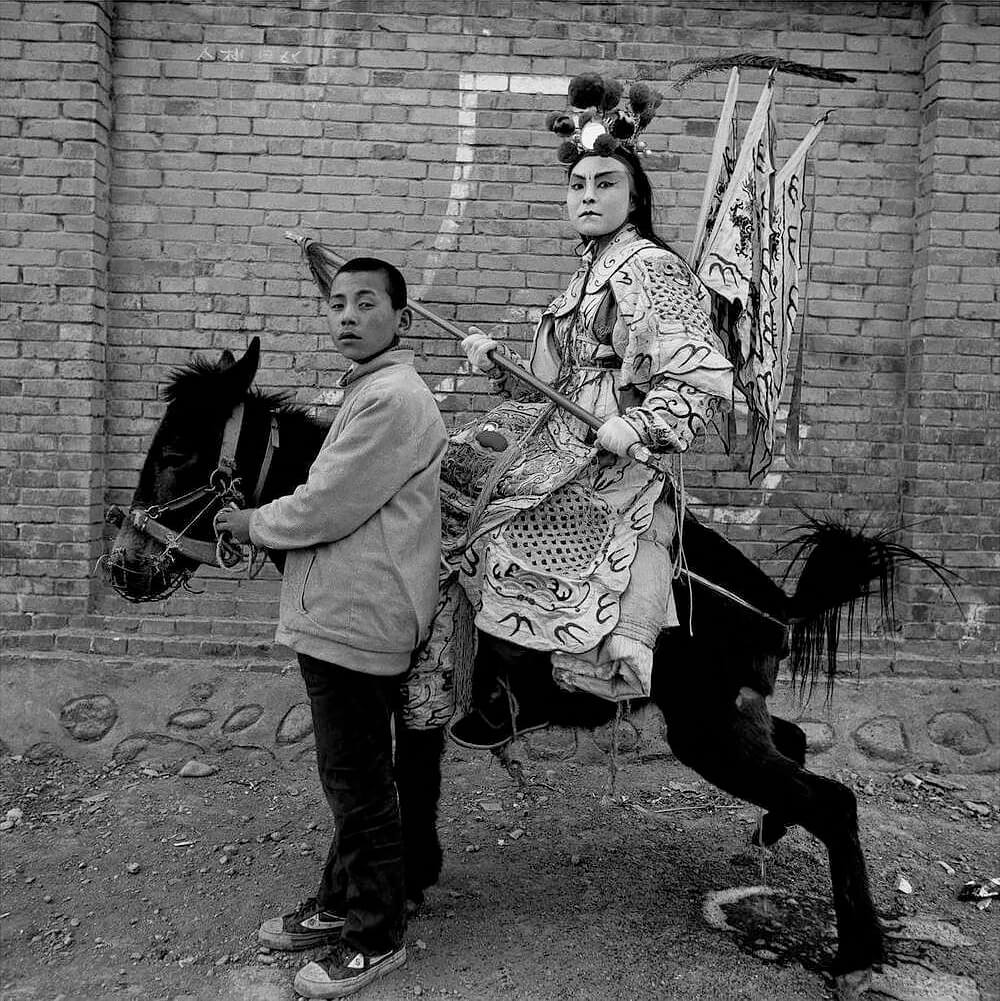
(362, 319)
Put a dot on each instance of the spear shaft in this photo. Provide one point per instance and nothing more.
(637, 452)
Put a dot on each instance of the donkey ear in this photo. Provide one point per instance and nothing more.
(227, 359)
(242, 372)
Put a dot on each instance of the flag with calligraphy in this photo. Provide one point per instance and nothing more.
(720, 168)
(768, 328)
(750, 262)
(727, 261)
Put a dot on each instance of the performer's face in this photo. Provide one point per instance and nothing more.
(362, 319)
(599, 196)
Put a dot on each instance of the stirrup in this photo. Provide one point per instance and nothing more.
(478, 734)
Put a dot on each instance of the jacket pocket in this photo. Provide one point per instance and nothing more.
(303, 605)
(355, 592)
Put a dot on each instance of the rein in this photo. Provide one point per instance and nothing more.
(223, 487)
(730, 595)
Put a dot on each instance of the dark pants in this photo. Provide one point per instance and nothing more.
(363, 879)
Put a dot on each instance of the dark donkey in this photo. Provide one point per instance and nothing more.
(217, 438)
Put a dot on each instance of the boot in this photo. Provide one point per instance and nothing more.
(510, 707)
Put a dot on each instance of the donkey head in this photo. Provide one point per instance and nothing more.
(181, 461)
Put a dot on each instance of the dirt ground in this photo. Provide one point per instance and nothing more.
(133, 882)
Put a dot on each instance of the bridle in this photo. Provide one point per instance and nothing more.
(222, 488)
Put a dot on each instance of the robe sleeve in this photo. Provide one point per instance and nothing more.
(671, 416)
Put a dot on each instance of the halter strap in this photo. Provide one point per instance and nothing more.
(273, 444)
(195, 549)
(230, 440)
(221, 482)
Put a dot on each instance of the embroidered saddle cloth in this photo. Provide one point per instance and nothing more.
(539, 536)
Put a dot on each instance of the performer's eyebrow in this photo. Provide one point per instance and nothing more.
(603, 173)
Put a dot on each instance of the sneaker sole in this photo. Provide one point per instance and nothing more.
(342, 990)
(498, 743)
(292, 942)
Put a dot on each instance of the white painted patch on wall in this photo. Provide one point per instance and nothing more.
(470, 86)
(975, 619)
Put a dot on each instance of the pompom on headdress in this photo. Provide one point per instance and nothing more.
(603, 118)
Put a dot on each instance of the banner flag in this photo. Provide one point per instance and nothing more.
(720, 168)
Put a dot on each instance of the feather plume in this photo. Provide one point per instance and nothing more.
(755, 60)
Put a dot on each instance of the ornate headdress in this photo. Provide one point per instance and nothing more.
(600, 121)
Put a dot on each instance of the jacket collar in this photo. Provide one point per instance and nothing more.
(397, 356)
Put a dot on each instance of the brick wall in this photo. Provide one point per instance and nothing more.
(949, 483)
(55, 163)
(415, 131)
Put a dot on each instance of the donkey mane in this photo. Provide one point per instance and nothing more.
(201, 379)
(191, 379)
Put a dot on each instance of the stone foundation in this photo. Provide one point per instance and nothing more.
(105, 708)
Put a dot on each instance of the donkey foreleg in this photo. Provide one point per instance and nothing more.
(733, 746)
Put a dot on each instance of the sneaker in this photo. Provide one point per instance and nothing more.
(304, 928)
(344, 972)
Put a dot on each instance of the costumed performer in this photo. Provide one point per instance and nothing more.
(559, 545)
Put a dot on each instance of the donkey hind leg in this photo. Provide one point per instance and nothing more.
(418, 785)
(790, 740)
(733, 747)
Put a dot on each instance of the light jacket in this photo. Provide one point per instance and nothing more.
(363, 533)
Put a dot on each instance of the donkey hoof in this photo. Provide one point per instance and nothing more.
(899, 978)
(854, 985)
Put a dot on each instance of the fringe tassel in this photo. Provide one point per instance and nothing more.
(463, 643)
(681, 563)
(622, 711)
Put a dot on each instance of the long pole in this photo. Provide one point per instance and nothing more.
(637, 452)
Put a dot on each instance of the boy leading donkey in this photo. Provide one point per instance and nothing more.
(362, 539)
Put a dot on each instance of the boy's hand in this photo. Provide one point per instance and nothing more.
(234, 521)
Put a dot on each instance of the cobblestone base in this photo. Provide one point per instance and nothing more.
(107, 696)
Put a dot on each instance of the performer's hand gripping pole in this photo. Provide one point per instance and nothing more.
(637, 452)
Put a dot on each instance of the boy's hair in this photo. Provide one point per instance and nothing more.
(394, 281)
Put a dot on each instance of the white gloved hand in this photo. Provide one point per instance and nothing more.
(477, 347)
(617, 435)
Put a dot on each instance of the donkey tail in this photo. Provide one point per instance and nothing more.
(842, 571)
